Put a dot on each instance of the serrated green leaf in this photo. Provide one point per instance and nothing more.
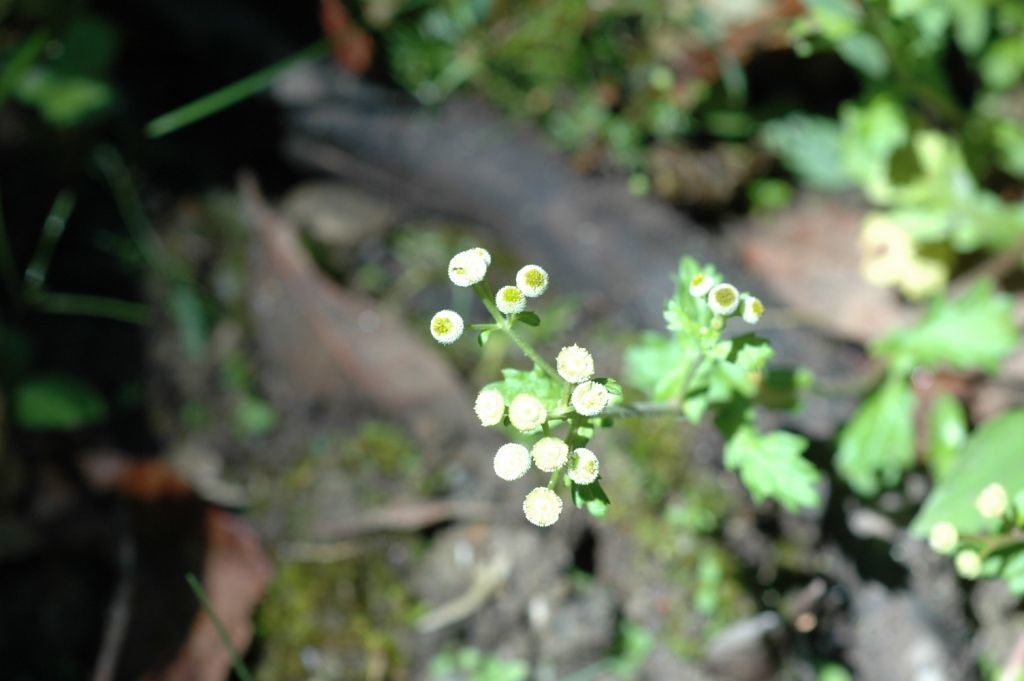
(772, 466)
(535, 382)
(974, 331)
(57, 402)
(991, 455)
(877, 445)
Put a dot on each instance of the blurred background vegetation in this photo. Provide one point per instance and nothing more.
(146, 384)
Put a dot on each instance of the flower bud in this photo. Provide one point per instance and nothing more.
(446, 327)
(526, 412)
(590, 398)
(511, 461)
(724, 299)
(700, 285)
(468, 267)
(583, 466)
(575, 364)
(968, 564)
(532, 280)
(550, 454)
(542, 506)
(993, 501)
(943, 538)
(510, 300)
(753, 309)
(489, 407)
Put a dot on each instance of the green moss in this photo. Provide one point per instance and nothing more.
(335, 621)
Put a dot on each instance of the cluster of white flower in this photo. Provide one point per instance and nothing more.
(549, 454)
(725, 300)
(468, 268)
(992, 503)
(525, 412)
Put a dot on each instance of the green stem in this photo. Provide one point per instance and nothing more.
(232, 94)
(505, 324)
(24, 57)
(554, 479)
(236, 660)
(53, 230)
(90, 306)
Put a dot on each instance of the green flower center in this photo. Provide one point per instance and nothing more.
(443, 326)
(512, 295)
(725, 297)
(697, 279)
(758, 307)
(534, 278)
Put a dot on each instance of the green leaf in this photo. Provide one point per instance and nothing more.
(866, 53)
(771, 465)
(656, 365)
(57, 402)
(974, 331)
(877, 444)
(591, 497)
(991, 455)
(808, 147)
(947, 434)
(255, 416)
(535, 382)
(529, 318)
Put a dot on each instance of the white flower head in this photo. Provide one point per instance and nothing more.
(526, 412)
(753, 309)
(724, 299)
(511, 461)
(550, 454)
(575, 364)
(590, 398)
(489, 407)
(700, 285)
(446, 327)
(468, 267)
(532, 280)
(583, 466)
(542, 506)
(968, 564)
(481, 253)
(510, 300)
(993, 501)
(943, 538)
